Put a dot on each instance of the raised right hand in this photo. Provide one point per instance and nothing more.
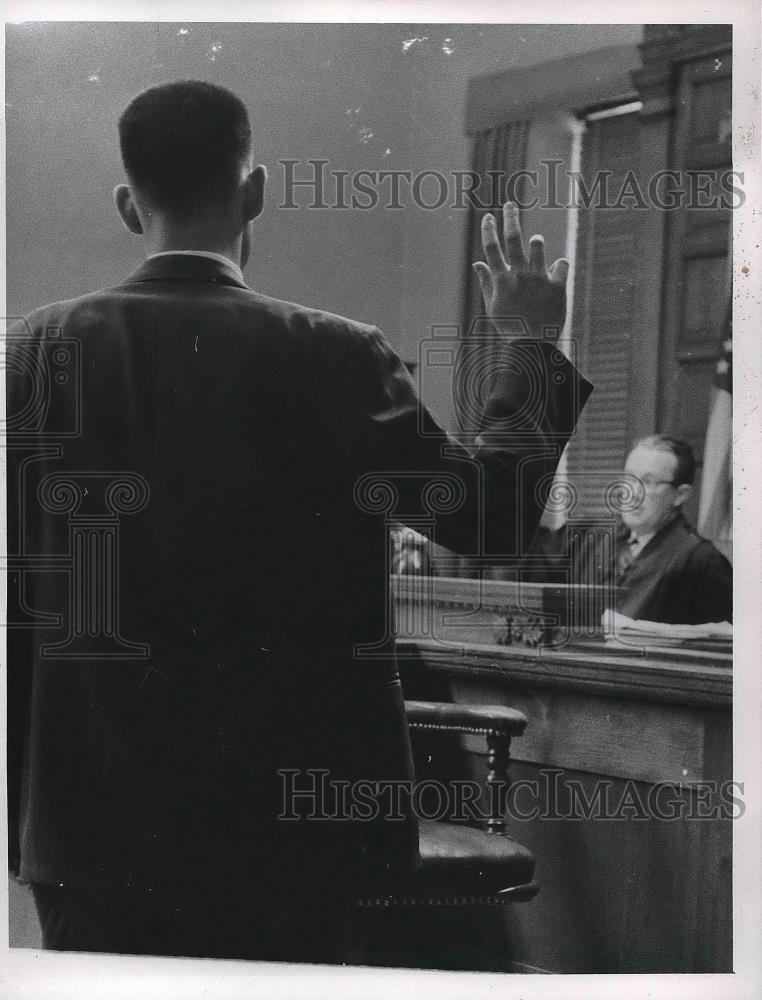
(515, 287)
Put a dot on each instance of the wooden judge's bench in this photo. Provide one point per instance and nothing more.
(622, 776)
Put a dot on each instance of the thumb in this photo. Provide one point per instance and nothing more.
(485, 281)
(559, 271)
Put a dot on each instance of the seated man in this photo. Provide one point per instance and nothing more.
(663, 569)
(667, 571)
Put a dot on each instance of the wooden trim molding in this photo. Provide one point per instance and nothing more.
(456, 625)
(654, 677)
(665, 43)
(577, 82)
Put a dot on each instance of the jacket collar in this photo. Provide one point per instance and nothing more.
(183, 267)
(678, 523)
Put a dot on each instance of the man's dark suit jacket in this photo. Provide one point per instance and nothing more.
(254, 568)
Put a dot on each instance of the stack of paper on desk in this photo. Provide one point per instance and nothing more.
(618, 626)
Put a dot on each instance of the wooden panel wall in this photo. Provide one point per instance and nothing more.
(628, 895)
(685, 86)
(696, 279)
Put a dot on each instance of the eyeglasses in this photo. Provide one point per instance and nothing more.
(651, 483)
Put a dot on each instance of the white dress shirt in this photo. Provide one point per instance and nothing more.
(638, 543)
(200, 253)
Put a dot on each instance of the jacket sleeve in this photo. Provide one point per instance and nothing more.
(485, 500)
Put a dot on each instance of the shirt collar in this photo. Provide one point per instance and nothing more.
(201, 253)
(637, 544)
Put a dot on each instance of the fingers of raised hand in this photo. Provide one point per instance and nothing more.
(559, 272)
(485, 281)
(491, 244)
(537, 256)
(514, 245)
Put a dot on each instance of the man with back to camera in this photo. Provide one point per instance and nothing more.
(145, 791)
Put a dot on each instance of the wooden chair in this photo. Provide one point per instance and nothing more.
(463, 864)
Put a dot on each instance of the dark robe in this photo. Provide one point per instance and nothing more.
(678, 577)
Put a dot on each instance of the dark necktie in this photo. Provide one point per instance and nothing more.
(627, 554)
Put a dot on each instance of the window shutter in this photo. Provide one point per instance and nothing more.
(602, 321)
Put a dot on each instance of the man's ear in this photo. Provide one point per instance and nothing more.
(254, 193)
(125, 206)
(682, 493)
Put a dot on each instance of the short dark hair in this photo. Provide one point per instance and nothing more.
(685, 470)
(183, 144)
